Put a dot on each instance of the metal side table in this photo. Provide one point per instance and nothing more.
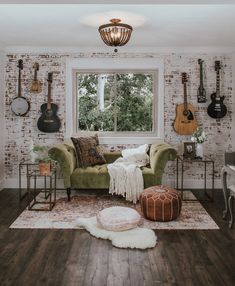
(45, 199)
(28, 166)
(180, 169)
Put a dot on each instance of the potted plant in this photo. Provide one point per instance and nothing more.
(44, 161)
(199, 137)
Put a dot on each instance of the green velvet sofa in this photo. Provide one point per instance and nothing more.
(97, 177)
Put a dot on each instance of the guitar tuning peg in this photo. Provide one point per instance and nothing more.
(36, 66)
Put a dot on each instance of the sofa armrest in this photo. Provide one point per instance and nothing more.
(65, 155)
(160, 154)
(110, 157)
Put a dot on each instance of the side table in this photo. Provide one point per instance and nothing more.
(28, 166)
(45, 197)
(205, 161)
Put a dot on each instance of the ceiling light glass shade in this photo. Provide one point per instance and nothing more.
(115, 33)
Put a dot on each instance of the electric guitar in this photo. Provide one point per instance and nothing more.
(216, 108)
(36, 86)
(201, 92)
(185, 122)
(49, 121)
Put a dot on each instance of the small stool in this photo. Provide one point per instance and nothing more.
(160, 203)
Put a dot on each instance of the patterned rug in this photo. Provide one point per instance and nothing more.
(64, 214)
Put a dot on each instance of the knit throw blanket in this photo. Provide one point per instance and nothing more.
(126, 177)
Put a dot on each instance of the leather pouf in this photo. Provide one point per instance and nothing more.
(118, 218)
(160, 203)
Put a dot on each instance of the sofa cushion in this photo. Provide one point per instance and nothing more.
(87, 151)
(95, 177)
(110, 157)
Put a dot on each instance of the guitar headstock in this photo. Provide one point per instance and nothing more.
(200, 61)
(20, 64)
(50, 77)
(36, 66)
(217, 66)
(184, 77)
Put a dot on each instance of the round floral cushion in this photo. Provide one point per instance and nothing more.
(118, 218)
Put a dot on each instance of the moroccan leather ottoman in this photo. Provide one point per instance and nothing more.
(160, 203)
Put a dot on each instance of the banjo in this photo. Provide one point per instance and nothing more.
(20, 105)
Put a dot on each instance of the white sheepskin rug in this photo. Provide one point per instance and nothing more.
(140, 238)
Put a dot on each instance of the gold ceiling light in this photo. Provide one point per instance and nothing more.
(115, 33)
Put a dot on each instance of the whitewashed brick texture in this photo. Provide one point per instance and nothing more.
(20, 131)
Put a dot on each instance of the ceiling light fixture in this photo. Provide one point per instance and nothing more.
(115, 33)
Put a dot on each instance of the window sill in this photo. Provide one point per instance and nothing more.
(130, 140)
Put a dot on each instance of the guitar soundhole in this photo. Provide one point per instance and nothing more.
(49, 112)
(190, 116)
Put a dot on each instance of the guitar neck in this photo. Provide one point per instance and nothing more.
(35, 74)
(218, 84)
(19, 83)
(185, 97)
(49, 97)
(201, 75)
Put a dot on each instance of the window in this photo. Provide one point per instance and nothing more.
(114, 125)
(116, 102)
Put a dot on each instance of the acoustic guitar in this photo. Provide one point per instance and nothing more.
(185, 122)
(216, 108)
(36, 86)
(201, 92)
(49, 121)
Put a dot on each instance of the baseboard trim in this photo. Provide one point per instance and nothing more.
(13, 183)
(2, 184)
(194, 184)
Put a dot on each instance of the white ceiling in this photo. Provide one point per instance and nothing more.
(163, 2)
(154, 25)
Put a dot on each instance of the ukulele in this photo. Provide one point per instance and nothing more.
(185, 121)
(216, 108)
(201, 92)
(49, 121)
(36, 86)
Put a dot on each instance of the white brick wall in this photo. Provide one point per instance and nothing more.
(1, 118)
(233, 105)
(21, 130)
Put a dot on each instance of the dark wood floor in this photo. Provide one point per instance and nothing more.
(73, 257)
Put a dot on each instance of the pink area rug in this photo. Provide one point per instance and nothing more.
(65, 214)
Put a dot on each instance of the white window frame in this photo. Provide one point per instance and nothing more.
(102, 64)
(119, 133)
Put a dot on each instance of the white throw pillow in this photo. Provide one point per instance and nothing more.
(118, 218)
(137, 155)
(139, 150)
(141, 159)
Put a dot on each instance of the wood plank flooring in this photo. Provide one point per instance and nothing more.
(73, 257)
